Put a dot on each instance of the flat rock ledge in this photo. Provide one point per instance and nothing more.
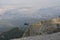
(54, 36)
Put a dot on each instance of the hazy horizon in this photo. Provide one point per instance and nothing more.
(32, 5)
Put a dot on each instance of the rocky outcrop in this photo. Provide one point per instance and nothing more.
(44, 27)
(55, 36)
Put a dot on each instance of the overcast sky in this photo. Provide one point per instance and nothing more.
(10, 4)
(29, 3)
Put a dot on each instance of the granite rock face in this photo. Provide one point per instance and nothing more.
(55, 36)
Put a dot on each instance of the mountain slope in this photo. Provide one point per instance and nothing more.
(44, 27)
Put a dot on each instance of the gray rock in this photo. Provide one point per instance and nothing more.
(55, 36)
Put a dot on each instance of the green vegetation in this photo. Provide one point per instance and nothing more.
(11, 34)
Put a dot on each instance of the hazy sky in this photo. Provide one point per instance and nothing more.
(29, 3)
(10, 4)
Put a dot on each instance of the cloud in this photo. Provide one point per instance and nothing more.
(2, 10)
(34, 4)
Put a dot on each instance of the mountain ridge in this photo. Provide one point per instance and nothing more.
(44, 27)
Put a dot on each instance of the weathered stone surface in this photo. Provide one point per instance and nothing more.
(55, 36)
